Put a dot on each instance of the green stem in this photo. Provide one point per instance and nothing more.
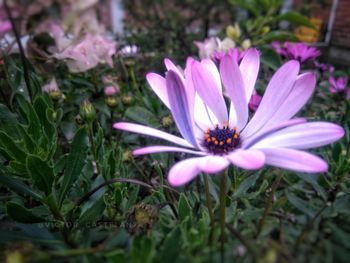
(210, 208)
(269, 203)
(93, 148)
(223, 187)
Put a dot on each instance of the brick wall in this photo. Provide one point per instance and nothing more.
(341, 27)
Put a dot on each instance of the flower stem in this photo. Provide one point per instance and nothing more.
(269, 203)
(210, 208)
(223, 187)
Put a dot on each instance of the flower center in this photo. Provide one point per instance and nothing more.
(220, 141)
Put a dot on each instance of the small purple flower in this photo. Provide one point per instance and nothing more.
(323, 67)
(221, 137)
(296, 51)
(339, 85)
(254, 101)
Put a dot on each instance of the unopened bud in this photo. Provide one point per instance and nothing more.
(127, 100)
(141, 218)
(167, 121)
(111, 101)
(87, 111)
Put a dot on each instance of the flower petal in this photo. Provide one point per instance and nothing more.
(158, 85)
(276, 92)
(160, 148)
(295, 160)
(234, 85)
(303, 136)
(302, 90)
(249, 68)
(207, 89)
(180, 108)
(247, 142)
(184, 171)
(141, 129)
(247, 159)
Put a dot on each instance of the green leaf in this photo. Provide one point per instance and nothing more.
(9, 146)
(271, 59)
(41, 109)
(172, 248)
(93, 213)
(22, 214)
(17, 185)
(142, 115)
(277, 35)
(184, 208)
(41, 173)
(295, 18)
(75, 161)
(29, 143)
(142, 250)
(8, 121)
(245, 185)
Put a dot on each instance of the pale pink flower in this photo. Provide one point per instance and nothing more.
(111, 90)
(5, 26)
(50, 87)
(221, 137)
(88, 53)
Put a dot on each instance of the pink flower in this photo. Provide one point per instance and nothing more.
(111, 90)
(221, 137)
(324, 67)
(88, 53)
(233, 52)
(339, 85)
(254, 101)
(5, 26)
(50, 87)
(296, 51)
(207, 47)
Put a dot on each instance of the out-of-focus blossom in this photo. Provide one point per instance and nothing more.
(339, 85)
(129, 51)
(324, 67)
(220, 137)
(207, 47)
(297, 51)
(5, 26)
(51, 86)
(88, 53)
(246, 44)
(233, 32)
(111, 90)
(254, 101)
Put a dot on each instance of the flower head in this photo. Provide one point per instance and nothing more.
(220, 137)
(296, 51)
(111, 90)
(211, 46)
(339, 85)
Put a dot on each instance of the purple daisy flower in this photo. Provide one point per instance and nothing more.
(221, 137)
(339, 85)
(296, 51)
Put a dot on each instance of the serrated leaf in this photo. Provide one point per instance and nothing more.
(10, 147)
(41, 173)
(22, 214)
(75, 161)
(8, 121)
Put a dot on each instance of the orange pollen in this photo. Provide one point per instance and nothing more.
(235, 136)
(229, 140)
(221, 143)
(216, 142)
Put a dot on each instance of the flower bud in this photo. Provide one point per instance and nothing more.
(167, 121)
(87, 111)
(233, 32)
(246, 44)
(265, 29)
(111, 101)
(141, 218)
(127, 100)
